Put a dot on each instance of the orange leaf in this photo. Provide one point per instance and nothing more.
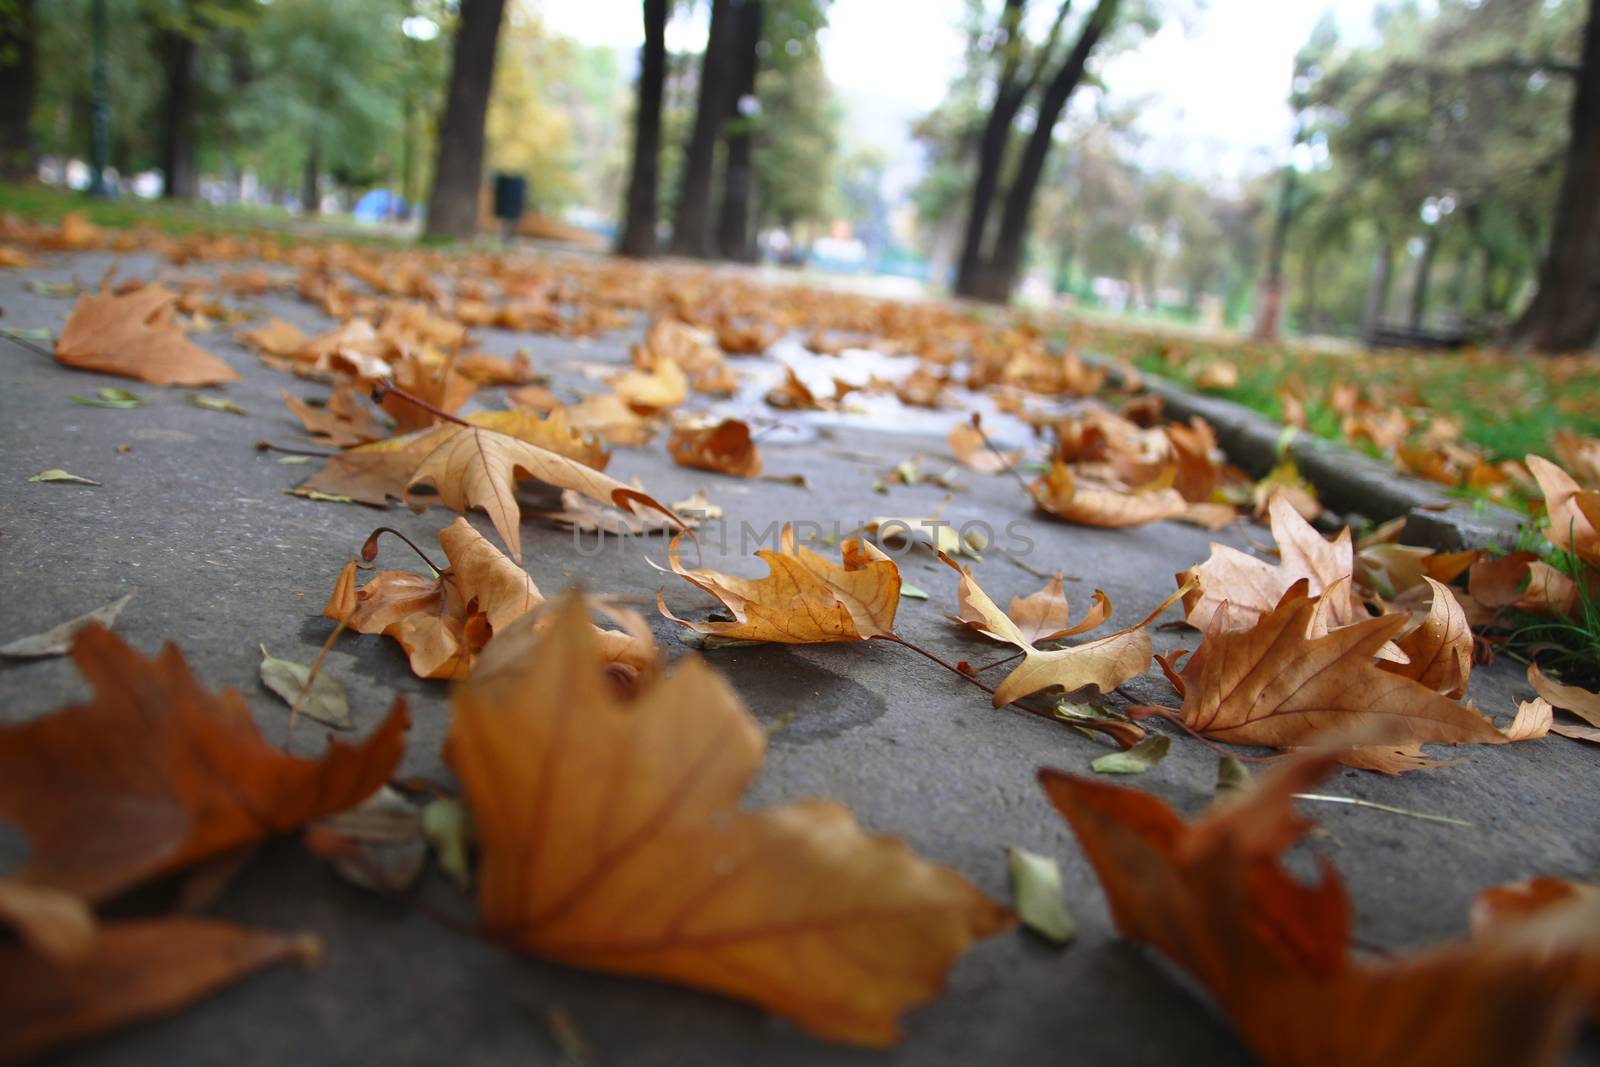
(156, 773)
(805, 599)
(725, 448)
(1274, 685)
(611, 840)
(133, 335)
(133, 971)
(1059, 494)
(1574, 511)
(1580, 702)
(1213, 896)
(1440, 649)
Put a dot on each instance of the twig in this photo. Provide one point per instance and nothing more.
(23, 342)
(1373, 804)
(311, 677)
(268, 446)
(1009, 468)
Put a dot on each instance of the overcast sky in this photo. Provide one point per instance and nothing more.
(1214, 82)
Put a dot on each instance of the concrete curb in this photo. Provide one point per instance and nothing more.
(1346, 481)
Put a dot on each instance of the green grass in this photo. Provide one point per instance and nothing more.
(178, 219)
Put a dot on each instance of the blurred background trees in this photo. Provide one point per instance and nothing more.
(1434, 186)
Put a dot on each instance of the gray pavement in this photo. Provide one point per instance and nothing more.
(194, 522)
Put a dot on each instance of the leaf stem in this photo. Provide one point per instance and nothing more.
(384, 387)
(268, 446)
(369, 549)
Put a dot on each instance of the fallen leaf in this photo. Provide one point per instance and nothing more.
(1275, 685)
(793, 908)
(133, 335)
(471, 467)
(1041, 616)
(1574, 511)
(1570, 698)
(344, 420)
(725, 448)
(216, 403)
(448, 828)
(647, 392)
(1501, 905)
(276, 338)
(1216, 377)
(134, 970)
(1136, 760)
(1059, 494)
(1533, 720)
(57, 640)
(109, 397)
(1036, 887)
(325, 702)
(156, 773)
(971, 449)
(442, 621)
(804, 599)
(912, 592)
(53, 925)
(377, 845)
(1253, 588)
(1105, 663)
(1439, 651)
(1213, 897)
(56, 474)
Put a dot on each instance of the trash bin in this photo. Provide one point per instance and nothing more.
(510, 198)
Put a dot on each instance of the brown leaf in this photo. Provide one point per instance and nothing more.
(134, 970)
(971, 450)
(1570, 698)
(1574, 511)
(1533, 720)
(647, 392)
(133, 335)
(1274, 685)
(1059, 494)
(276, 338)
(343, 421)
(53, 925)
(805, 599)
(156, 773)
(1041, 616)
(1252, 588)
(611, 840)
(443, 621)
(478, 468)
(1213, 897)
(433, 381)
(725, 448)
(1105, 663)
(1440, 649)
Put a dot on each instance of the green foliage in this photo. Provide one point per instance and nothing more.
(796, 139)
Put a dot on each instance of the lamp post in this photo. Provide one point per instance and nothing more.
(99, 102)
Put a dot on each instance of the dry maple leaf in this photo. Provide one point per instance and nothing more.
(1574, 511)
(133, 335)
(611, 839)
(1041, 616)
(1058, 493)
(971, 449)
(443, 621)
(1581, 703)
(1252, 588)
(478, 468)
(805, 599)
(132, 971)
(156, 773)
(1439, 651)
(1104, 663)
(1213, 897)
(344, 420)
(435, 382)
(725, 448)
(1278, 684)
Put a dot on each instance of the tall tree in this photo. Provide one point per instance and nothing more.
(989, 269)
(458, 172)
(1565, 312)
(180, 54)
(639, 229)
(691, 221)
(738, 175)
(18, 79)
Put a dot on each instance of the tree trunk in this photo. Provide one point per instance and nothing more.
(1419, 290)
(1564, 315)
(180, 179)
(691, 221)
(18, 81)
(738, 182)
(311, 181)
(1377, 294)
(1008, 98)
(458, 170)
(999, 275)
(1308, 293)
(639, 230)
